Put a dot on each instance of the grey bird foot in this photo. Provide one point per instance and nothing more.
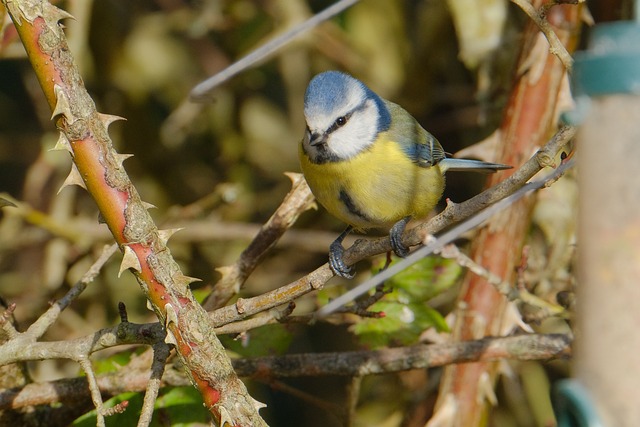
(336, 261)
(336, 253)
(395, 236)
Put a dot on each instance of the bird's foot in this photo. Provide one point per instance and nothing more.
(395, 236)
(336, 261)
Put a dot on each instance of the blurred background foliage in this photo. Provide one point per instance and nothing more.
(218, 165)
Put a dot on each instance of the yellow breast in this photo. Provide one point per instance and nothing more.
(376, 188)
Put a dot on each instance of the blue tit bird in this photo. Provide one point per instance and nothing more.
(369, 162)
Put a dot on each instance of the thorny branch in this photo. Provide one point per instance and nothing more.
(98, 168)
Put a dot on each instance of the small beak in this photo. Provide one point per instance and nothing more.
(317, 139)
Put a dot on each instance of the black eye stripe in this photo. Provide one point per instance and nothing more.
(340, 121)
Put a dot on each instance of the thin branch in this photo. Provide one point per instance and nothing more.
(298, 200)
(42, 324)
(356, 363)
(204, 88)
(160, 356)
(518, 293)
(21, 349)
(555, 45)
(521, 347)
(94, 389)
(270, 317)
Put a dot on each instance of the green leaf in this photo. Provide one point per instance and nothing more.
(115, 361)
(266, 340)
(402, 324)
(178, 407)
(427, 278)
(407, 313)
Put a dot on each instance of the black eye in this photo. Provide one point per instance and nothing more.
(341, 121)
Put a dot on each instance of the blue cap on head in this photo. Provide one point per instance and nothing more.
(331, 90)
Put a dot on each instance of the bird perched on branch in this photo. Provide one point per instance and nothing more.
(369, 162)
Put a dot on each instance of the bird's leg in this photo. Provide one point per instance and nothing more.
(395, 235)
(336, 251)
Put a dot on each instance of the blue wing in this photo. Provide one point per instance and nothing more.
(419, 145)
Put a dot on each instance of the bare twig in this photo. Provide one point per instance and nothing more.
(521, 347)
(298, 200)
(555, 45)
(518, 293)
(204, 88)
(40, 326)
(357, 363)
(270, 317)
(160, 355)
(25, 349)
(96, 396)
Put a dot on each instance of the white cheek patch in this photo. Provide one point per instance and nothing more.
(359, 133)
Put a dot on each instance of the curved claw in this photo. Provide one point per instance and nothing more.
(336, 252)
(395, 236)
(337, 264)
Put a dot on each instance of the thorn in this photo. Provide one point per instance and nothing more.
(150, 306)
(148, 205)
(444, 415)
(240, 307)
(225, 417)
(129, 260)
(165, 235)
(107, 119)
(60, 14)
(171, 317)
(62, 105)
(62, 144)
(486, 391)
(74, 178)
(450, 203)
(170, 339)
(120, 158)
(181, 279)
(295, 177)
(101, 219)
(258, 405)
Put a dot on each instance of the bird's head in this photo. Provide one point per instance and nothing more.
(343, 117)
